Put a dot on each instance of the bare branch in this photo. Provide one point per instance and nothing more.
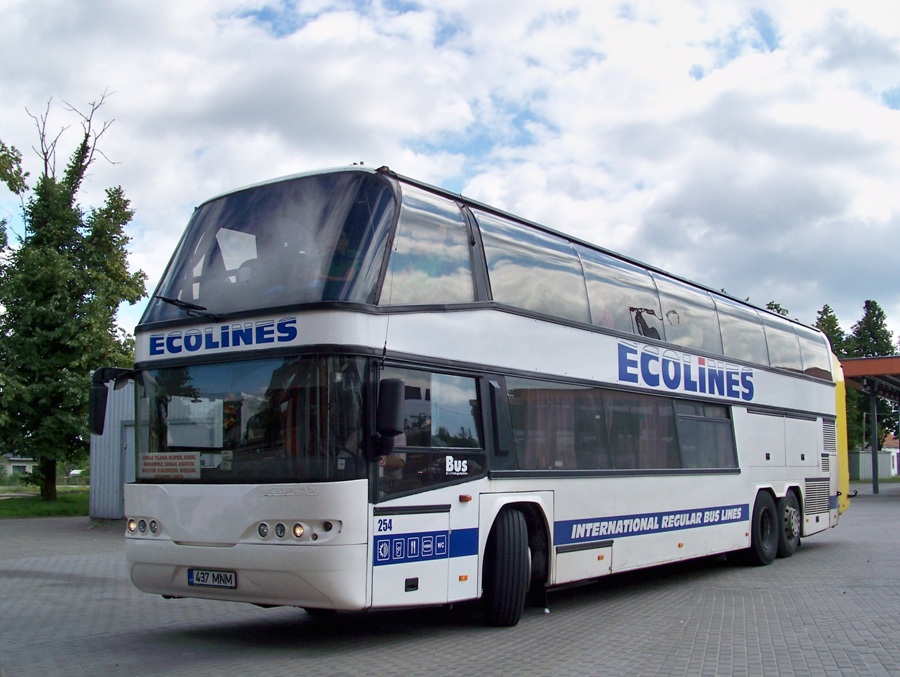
(47, 152)
(87, 123)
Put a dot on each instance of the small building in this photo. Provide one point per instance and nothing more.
(112, 456)
(11, 466)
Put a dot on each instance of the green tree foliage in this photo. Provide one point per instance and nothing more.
(11, 169)
(60, 288)
(827, 323)
(776, 308)
(869, 337)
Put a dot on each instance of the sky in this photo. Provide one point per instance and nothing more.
(749, 146)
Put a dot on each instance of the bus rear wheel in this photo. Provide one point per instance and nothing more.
(790, 525)
(764, 527)
(506, 569)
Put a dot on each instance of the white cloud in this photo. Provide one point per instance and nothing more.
(750, 146)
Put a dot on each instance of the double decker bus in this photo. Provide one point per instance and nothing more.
(357, 391)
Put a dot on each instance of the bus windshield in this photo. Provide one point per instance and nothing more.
(293, 419)
(302, 240)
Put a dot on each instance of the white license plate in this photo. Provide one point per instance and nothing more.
(210, 578)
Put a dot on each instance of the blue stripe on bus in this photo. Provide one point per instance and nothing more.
(424, 546)
(593, 528)
(463, 542)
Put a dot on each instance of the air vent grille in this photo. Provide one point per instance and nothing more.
(816, 496)
(829, 436)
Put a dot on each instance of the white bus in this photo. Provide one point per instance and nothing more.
(357, 391)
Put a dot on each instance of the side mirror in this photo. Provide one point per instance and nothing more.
(99, 394)
(389, 415)
(97, 408)
(500, 421)
(389, 418)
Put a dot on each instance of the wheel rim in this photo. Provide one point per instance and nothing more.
(791, 522)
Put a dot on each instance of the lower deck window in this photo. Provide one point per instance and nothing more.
(568, 427)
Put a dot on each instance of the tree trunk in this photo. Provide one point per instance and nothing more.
(47, 470)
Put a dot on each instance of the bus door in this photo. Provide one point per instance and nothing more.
(428, 553)
(410, 555)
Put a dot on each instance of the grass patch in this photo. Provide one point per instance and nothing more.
(67, 504)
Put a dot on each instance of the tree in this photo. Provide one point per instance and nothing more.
(60, 289)
(870, 337)
(827, 323)
(776, 308)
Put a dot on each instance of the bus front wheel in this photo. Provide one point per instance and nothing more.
(789, 523)
(764, 530)
(506, 569)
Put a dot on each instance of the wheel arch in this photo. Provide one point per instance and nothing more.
(781, 491)
(537, 511)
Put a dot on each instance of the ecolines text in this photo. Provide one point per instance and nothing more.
(258, 333)
(668, 369)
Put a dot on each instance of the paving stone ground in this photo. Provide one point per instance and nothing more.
(68, 608)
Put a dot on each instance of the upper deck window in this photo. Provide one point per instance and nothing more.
(622, 296)
(689, 316)
(301, 240)
(784, 347)
(533, 270)
(430, 261)
(814, 352)
(743, 337)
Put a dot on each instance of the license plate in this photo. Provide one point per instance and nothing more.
(209, 578)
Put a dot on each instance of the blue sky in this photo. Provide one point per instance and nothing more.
(751, 146)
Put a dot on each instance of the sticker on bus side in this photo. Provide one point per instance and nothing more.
(675, 371)
(584, 530)
(424, 546)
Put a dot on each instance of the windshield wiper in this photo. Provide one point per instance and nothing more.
(191, 309)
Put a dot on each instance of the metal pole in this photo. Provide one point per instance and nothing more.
(873, 436)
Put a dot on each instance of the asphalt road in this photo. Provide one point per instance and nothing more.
(68, 608)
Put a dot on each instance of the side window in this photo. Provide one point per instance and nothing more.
(569, 427)
(441, 439)
(430, 261)
(533, 270)
(689, 316)
(743, 337)
(553, 426)
(642, 433)
(622, 296)
(566, 427)
(705, 435)
(784, 347)
(814, 352)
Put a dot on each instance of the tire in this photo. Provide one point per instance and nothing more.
(764, 530)
(788, 509)
(506, 570)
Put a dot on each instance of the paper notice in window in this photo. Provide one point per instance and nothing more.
(182, 465)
